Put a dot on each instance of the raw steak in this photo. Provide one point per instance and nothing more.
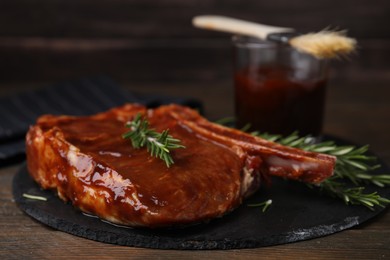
(86, 160)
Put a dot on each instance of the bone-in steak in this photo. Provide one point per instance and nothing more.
(86, 160)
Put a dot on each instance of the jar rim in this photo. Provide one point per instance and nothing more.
(252, 42)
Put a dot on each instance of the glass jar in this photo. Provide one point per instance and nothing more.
(278, 89)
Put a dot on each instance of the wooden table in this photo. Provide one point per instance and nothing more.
(358, 109)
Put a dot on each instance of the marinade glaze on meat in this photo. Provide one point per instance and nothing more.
(89, 163)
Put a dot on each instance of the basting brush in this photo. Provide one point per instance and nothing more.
(323, 44)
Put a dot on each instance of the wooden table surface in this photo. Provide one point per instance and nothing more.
(357, 109)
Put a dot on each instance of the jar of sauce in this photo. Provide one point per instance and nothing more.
(278, 90)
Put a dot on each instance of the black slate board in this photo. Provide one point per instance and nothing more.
(297, 213)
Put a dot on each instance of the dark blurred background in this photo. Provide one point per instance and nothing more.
(151, 45)
(143, 40)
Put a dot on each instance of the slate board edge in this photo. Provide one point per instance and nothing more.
(156, 242)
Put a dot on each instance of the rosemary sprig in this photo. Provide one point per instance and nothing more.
(158, 144)
(352, 195)
(264, 204)
(33, 197)
(352, 164)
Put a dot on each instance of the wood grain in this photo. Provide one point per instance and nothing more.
(171, 18)
(132, 40)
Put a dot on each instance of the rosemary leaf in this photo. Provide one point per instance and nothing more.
(157, 144)
(264, 204)
(225, 121)
(34, 197)
(246, 127)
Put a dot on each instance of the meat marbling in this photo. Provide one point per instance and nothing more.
(86, 160)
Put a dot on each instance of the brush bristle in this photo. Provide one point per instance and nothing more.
(324, 44)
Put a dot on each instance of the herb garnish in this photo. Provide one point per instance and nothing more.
(158, 144)
(352, 164)
(33, 197)
(264, 204)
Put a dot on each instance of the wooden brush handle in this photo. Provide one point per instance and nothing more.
(236, 26)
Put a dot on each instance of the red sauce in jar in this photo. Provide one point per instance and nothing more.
(272, 101)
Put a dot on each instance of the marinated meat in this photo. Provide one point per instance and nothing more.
(87, 162)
